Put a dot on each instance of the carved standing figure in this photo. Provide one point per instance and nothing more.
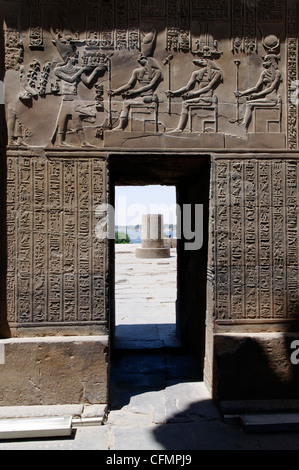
(71, 107)
(14, 129)
(148, 76)
(264, 93)
(206, 79)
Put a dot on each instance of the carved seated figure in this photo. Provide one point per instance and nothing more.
(208, 115)
(148, 113)
(266, 118)
(148, 76)
(206, 79)
(264, 94)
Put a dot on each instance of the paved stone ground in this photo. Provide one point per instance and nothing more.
(145, 295)
(158, 401)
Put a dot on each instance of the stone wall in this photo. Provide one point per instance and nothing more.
(57, 266)
(256, 242)
(253, 291)
(127, 74)
(91, 82)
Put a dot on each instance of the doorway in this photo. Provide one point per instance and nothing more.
(145, 280)
(190, 175)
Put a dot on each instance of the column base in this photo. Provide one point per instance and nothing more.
(148, 253)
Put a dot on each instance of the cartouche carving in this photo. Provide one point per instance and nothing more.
(36, 39)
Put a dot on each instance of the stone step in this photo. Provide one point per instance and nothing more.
(270, 422)
(24, 428)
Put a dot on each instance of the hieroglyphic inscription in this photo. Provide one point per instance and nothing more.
(256, 249)
(133, 19)
(92, 25)
(152, 10)
(292, 76)
(107, 24)
(114, 26)
(278, 238)
(12, 205)
(244, 26)
(250, 39)
(56, 2)
(56, 269)
(182, 34)
(251, 241)
(121, 25)
(292, 238)
(222, 249)
(271, 11)
(214, 10)
(14, 51)
(236, 223)
(248, 17)
(265, 280)
(36, 28)
(237, 26)
(172, 39)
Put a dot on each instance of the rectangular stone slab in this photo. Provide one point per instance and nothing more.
(23, 428)
(270, 422)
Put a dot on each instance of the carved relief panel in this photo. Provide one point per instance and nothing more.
(256, 241)
(57, 264)
(131, 74)
(106, 74)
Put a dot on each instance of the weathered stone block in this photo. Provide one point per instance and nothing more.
(255, 366)
(50, 371)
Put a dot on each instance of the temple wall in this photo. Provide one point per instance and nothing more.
(85, 81)
(253, 285)
(57, 266)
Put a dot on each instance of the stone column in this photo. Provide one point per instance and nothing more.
(151, 238)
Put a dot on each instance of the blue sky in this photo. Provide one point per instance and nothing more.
(133, 201)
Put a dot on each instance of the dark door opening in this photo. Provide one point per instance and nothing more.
(190, 174)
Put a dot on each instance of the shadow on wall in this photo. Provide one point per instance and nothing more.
(257, 367)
